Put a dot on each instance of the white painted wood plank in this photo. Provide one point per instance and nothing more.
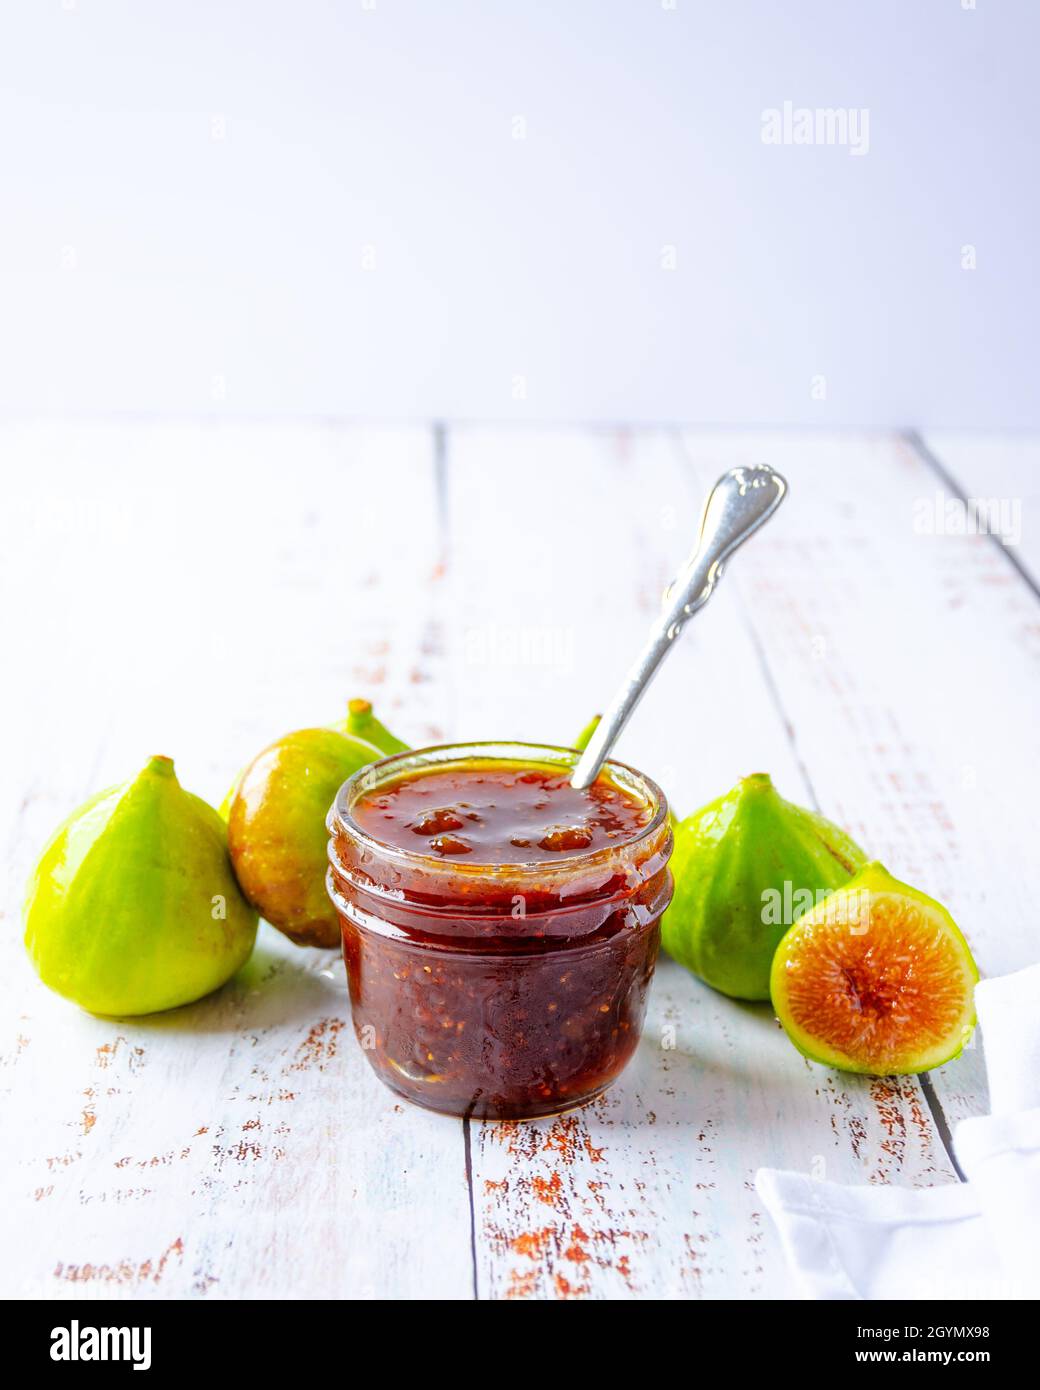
(908, 665)
(648, 1191)
(998, 469)
(237, 1148)
(198, 591)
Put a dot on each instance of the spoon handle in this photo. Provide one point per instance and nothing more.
(740, 502)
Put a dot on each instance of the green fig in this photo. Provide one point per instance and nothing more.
(276, 829)
(877, 978)
(744, 867)
(582, 741)
(362, 723)
(133, 906)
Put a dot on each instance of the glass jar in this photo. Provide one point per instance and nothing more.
(498, 990)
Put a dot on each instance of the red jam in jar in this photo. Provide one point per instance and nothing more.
(500, 929)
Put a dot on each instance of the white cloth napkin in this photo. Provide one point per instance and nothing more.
(968, 1240)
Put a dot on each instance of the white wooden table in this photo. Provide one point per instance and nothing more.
(198, 589)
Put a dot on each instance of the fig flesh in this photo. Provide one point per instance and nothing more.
(744, 866)
(877, 978)
(133, 907)
(276, 829)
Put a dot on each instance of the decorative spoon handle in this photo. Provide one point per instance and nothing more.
(740, 502)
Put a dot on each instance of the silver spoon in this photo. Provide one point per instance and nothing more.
(740, 502)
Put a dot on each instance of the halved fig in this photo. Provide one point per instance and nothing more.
(877, 978)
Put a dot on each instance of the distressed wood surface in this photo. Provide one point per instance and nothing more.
(197, 590)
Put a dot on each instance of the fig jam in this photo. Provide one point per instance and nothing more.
(500, 929)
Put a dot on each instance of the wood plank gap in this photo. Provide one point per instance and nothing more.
(914, 441)
(774, 694)
(442, 492)
(675, 437)
(467, 1140)
(441, 606)
(942, 1124)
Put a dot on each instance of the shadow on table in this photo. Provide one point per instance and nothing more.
(280, 985)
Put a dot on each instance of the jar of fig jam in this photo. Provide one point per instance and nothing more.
(500, 929)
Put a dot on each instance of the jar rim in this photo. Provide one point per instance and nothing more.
(366, 779)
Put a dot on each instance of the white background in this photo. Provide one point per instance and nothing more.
(187, 192)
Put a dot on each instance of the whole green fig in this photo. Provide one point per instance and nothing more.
(133, 906)
(745, 866)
